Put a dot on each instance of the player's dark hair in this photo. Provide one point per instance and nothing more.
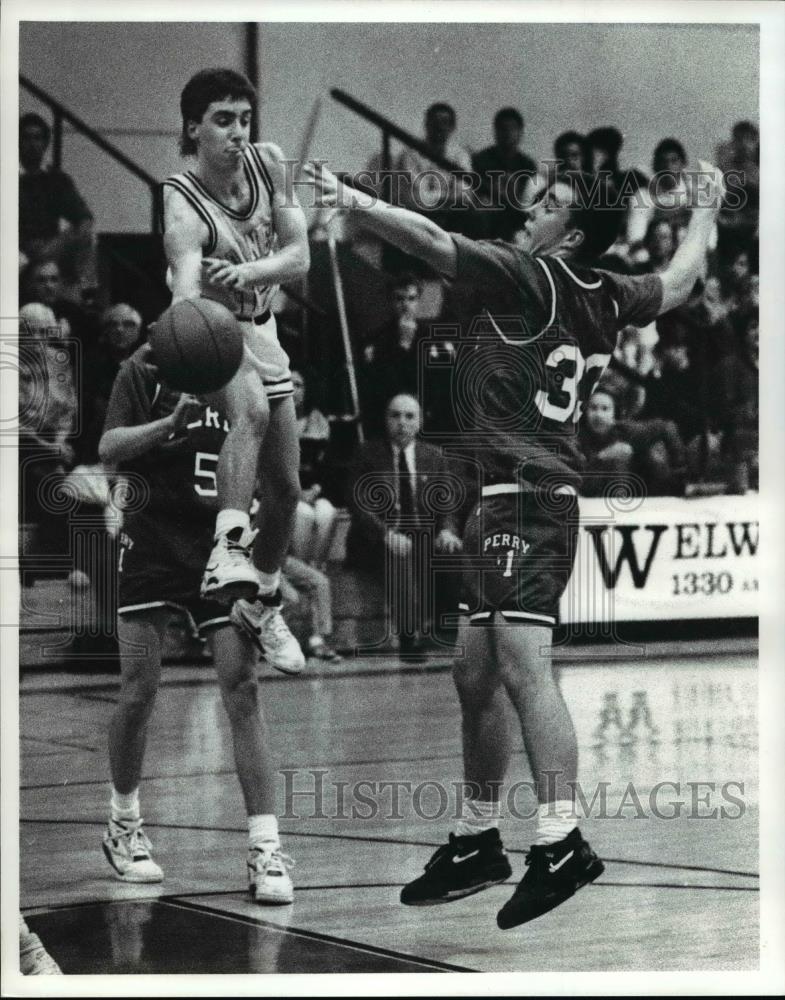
(598, 212)
(439, 107)
(32, 120)
(669, 145)
(508, 114)
(202, 89)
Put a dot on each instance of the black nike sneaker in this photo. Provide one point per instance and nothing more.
(554, 873)
(461, 867)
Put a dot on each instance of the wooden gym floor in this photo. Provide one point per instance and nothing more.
(679, 891)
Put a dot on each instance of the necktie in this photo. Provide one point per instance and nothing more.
(405, 495)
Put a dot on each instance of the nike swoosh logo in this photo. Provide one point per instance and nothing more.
(554, 868)
(464, 857)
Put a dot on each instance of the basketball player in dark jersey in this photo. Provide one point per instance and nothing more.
(233, 231)
(546, 326)
(167, 446)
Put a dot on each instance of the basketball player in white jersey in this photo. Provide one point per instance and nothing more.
(233, 231)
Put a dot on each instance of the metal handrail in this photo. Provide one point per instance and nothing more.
(392, 131)
(61, 114)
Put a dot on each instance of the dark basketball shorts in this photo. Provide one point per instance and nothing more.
(519, 549)
(161, 565)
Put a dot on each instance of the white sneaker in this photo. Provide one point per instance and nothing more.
(268, 630)
(34, 959)
(230, 572)
(268, 875)
(128, 851)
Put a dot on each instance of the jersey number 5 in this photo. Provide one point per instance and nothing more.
(205, 468)
(571, 378)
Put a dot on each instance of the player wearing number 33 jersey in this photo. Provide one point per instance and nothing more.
(167, 532)
(544, 329)
(521, 380)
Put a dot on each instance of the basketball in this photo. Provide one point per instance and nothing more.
(197, 345)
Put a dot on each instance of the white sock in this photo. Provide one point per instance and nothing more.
(263, 829)
(124, 806)
(555, 820)
(229, 519)
(477, 816)
(269, 583)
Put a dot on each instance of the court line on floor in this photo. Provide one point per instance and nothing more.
(59, 743)
(509, 884)
(375, 839)
(663, 652)
(185, 682)
(221, 773)
(187, 904)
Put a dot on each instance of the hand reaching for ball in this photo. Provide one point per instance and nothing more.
(187, 410)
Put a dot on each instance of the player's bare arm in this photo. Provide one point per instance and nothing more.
(412, 233)
(689, 260)
(291, 259)
(120, 444)
(184, 236)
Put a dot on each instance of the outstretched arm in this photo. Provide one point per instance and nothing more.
(689, 261)
(406, 230)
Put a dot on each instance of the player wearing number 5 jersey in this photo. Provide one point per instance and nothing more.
(167, 444)
(233, 231)
(545, 327)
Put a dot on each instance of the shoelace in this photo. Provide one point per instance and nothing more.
(275, 860)
(138, 843)
(242, 544)
(276, 627)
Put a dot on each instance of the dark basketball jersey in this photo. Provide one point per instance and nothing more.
(542, 333)
(180, 473)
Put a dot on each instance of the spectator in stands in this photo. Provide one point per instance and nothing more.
(299, 578)
(42, 282)
(660, 245)
(608, 456)
(677, 390)
(570, 153)
(47, 418)
(737, 405)
(604, 145)
(47, 200)
(119, 335)
(316, 515)
(640, 455)
(570, 158)
(389, 359)
(395, 360)
(507, 175)
(665, 195)
(740, 159)
(427, 187)
(389, 535)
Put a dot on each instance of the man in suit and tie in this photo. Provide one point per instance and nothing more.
(395, 512)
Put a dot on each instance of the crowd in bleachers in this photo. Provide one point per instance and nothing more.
(675, 413)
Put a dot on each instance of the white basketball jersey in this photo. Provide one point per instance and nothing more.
(236, 236)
